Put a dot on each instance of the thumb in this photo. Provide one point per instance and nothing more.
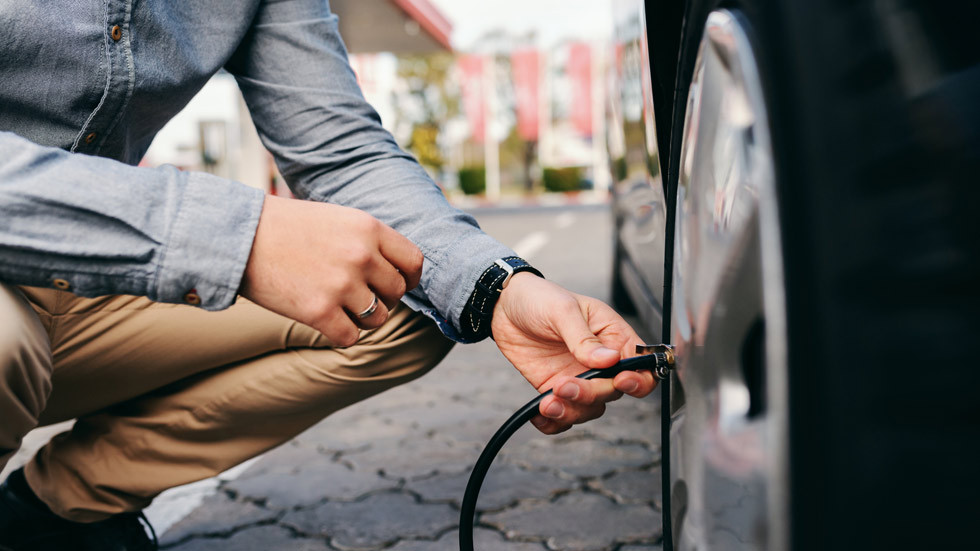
(587, 349)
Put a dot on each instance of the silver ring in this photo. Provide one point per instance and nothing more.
(370, 309)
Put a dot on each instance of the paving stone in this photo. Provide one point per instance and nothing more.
(478, 371)
(641, 548)
(579, 456)
(411, 458)
(217, 515)
(627, 420)
(632, 486)
(635, 428)
(262, 538)
(413, 393)
(351, 432)
(286, 459)
(483, 539)
(453, 379)
(434, 415)
(579, 522)
(309, 484)
(504, 485)
(378, 521)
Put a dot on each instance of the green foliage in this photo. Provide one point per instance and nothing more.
(425, 147)
(473, 180)
(653, 164)
(563, 179)
(432, 95)
(517, 155)
(430, 98)
(620, 169)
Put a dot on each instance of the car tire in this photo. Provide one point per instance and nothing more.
(881, 270)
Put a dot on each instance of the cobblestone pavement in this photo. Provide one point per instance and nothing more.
(389, 473)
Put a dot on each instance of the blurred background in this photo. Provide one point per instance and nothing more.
(501, 102)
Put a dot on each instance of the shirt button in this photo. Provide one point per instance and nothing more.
(116, 33)
(91, 137)
(61, 284)
(192, 297)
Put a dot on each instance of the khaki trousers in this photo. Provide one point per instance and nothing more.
(168, 394)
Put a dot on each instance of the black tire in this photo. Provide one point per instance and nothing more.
(882, 267)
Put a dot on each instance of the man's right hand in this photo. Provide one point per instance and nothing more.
(321, 264)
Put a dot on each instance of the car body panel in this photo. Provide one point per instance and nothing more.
(640, 211)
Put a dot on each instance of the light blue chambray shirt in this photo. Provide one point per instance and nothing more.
(80, 104)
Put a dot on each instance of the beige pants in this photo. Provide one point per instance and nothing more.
(169, 394)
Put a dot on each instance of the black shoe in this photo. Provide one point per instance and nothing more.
(27, 524)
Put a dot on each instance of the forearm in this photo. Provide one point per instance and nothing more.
(330, 146)
(109, 228)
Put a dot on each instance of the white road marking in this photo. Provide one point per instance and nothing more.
(531, 244)
(564, 220)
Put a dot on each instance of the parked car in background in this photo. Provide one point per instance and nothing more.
(795, 202)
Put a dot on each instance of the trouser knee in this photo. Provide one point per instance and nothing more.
(25, 370)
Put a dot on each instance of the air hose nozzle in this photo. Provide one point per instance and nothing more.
(662, 356)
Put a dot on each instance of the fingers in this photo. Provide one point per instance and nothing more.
(323, 264)
(585, 346)
(577, 401)
(338, 327)
(387, 282)
(363, 303)
(402, 254)
(635, 383)
(574, 401)
(559, 415)
(547, 426)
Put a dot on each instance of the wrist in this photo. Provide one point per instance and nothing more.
(518, 283)
(513, 289)
(478, 313)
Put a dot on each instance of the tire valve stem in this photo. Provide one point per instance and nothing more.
(661, 356)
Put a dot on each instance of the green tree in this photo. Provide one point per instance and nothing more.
(427, 100)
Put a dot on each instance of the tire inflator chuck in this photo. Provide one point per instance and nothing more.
(658, 359)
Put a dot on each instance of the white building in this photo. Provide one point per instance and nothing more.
(214, 132)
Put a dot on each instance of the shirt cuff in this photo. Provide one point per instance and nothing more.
(457, 271)
(209, 243)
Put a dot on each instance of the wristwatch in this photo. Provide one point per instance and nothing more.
(475, 322)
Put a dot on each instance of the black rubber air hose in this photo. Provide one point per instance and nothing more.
(468, 509)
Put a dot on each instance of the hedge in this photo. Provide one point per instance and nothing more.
(473, 180)
(563, 179)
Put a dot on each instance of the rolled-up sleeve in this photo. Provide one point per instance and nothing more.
(330, 146)
(99, 226)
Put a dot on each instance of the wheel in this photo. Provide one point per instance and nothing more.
(822, 246)
(729, 312)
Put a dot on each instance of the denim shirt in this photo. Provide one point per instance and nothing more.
(86, 84)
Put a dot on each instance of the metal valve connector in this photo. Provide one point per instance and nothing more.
(663, 356)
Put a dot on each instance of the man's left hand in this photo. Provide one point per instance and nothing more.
(551, 335)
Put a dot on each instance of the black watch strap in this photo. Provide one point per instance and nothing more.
(475, 322)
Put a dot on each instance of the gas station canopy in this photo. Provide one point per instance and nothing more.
(399, 26)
